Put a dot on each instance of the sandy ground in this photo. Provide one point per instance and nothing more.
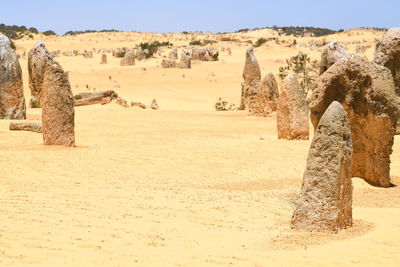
(181, 186)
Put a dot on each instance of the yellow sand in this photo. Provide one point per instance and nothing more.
(181, 186)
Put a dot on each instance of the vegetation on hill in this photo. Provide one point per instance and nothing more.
(153, 47)
(297, 31)
(49, 33)
(202, 43)
(15, 32)
(87, 31)
(303, 31)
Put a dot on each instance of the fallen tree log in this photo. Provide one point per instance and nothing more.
(85, 99)
(30, 126)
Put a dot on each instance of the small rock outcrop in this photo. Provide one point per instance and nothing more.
(331, 53)
(12, 101)
(140, 55)
(129, 59)
(154, 105)
(36, 67)
(205, 54)
(87, 54)
(292, 111)
(325, 203)
(168, 63)
(173, 54)
(388, 54)
(251, 78)
(103, 59)
(367, 93)
(68, 53)
(55, 95)
(186, 61)
(264, 101)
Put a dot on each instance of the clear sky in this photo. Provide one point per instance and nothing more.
(202, 15)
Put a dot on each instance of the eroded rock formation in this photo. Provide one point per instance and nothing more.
(388, 54)
(51, 83)
(129, 59)
(12, 101)
(263, 101)
(325, 203)
(367, 93)
(251, 78)
(292, 111)
(332, 52)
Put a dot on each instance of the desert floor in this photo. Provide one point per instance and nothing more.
(181, 186)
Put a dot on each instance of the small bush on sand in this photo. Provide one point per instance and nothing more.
(222, 105)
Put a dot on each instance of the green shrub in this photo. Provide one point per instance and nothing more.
(153, 47)
(304, 68)
(208, 42)
(49, 33)
(260, 42)
(12, 45)
(202, 43)
(215, 56)
(243, 30)
(34, 103)
(87, 31)
(195, 42)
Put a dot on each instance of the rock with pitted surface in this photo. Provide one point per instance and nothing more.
(168, 63)
(331, 53)
(325, 202)
(36, 67)
(367, 93)
(173, 54)
(140, 54)
(129, 59)
(388, 54)
(251, 78)
(154, 105)
(292, 111)
(205, 54)
(264, 101)
(51, 82)
(186, 61)
(12, 101)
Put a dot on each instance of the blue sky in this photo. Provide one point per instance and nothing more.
(206, 15)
